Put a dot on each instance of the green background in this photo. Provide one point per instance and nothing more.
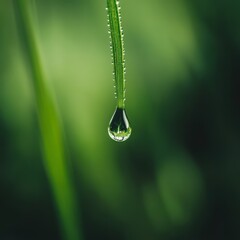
(177, 177)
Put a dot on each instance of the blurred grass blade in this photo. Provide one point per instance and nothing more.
(51, 132)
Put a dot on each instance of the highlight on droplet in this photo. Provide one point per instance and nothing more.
(119, 128)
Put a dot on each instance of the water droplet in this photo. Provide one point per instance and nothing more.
(119, 129)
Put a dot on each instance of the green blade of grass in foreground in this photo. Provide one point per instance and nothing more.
(51, 132)
(117, 48)
(119, 127)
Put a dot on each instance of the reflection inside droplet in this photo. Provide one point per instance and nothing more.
(119, 129)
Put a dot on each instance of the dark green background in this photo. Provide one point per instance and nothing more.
(177, 177)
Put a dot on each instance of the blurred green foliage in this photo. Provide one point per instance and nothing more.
(56, 165)
(177, 177)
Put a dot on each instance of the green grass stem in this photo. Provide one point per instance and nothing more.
(115, 28)
(55, 162)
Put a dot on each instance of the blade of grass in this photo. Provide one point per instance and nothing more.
(117, 46)
(55, 163)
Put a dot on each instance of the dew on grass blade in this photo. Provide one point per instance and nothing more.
(119, 128)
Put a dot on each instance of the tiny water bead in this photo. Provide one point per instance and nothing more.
(119, 128)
